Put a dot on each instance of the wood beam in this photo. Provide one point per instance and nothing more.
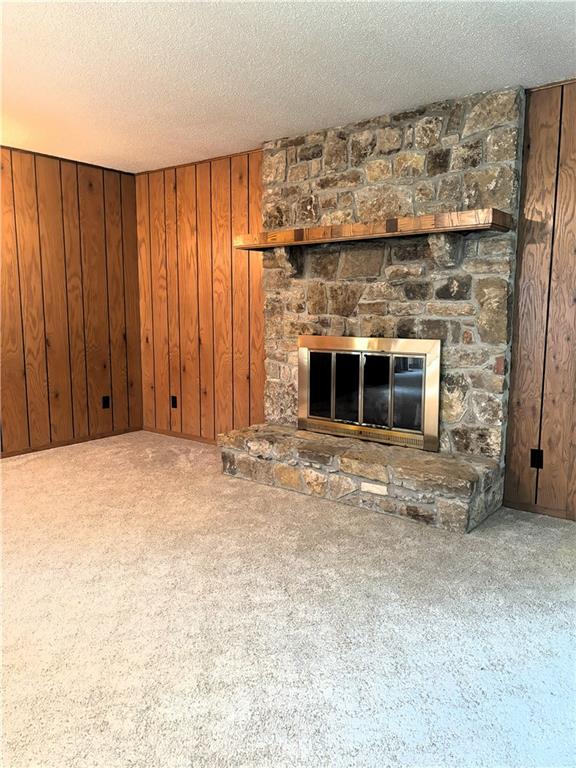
(452, 221)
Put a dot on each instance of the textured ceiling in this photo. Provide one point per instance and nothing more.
(138, 86)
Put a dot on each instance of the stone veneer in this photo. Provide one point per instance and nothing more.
(452, 155)
(452, 492)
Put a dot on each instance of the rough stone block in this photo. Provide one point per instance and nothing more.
(345, 199)
(437, 329)
(493, 109)
(378, 203)
(487, 408)
(309, 152)
(424, 191)
(315, 483)
(274, 167)
(406, 329)
(361, 146)
(343, 298)
(378, 170)
(398, 273)
(287, 476)
(276, 215)
(409, 164)
(336, 217)
(438, 161)
(485, 441)
(382, 291)
(298, 172)
(445, 250)
(319, 452)
(317, 298)
(368, 461)
(464, 357)
(451, 308)
(364, 262)
(322, 263)
(487, 381)
(490, 187)
(452, 514)
(369, 325)
(262, 471)
(306, 210)
(417, 291)
(427, 132)
(376, 489)
(502, 144)
(228, 462)
(315, 167)
(467, 155)
(335, 151)
(388, 139)
(340, 487)
(420, 512)
(350, 178)
(456, 288)
(455, 114)
(491, 294)
(405, 308)
(454, 390)
(447, 474)
(450, 189)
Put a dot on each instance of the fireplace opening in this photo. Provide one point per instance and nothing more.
(375, 389)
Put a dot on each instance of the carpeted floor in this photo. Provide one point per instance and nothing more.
(159, 615)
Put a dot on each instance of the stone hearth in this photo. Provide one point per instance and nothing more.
(446, 491)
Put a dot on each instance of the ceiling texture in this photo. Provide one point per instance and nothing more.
(137, 86)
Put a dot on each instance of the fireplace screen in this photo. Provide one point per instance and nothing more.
(375, 389)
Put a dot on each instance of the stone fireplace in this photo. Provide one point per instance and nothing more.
(454, 288)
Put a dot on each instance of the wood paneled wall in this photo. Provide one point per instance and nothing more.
(201, 301)
(542, 411)
(70, 315)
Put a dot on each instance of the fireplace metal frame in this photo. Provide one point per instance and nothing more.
(429, 349)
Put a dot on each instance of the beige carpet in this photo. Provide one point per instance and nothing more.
(159, 615)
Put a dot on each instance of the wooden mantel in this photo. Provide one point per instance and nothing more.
(453, 221)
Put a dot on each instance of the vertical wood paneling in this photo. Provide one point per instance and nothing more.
(188, 299)
(75, 303)
(50, 222)
(257, 374)
(205, 318)
(70, 315)
(145, 290)
(26, 210)
(240, 293)
(559, 402)
(12, 371)
(173, 301)
(222, 288)
(97, 331)
(159, 300)
(130, 251)
(116, 309)
(202, 301)
(533, 271)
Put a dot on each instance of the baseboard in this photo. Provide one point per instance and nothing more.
(563, 514)
(73, 441)
(184, 435)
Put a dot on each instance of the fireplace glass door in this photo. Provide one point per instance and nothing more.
(387, 391)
